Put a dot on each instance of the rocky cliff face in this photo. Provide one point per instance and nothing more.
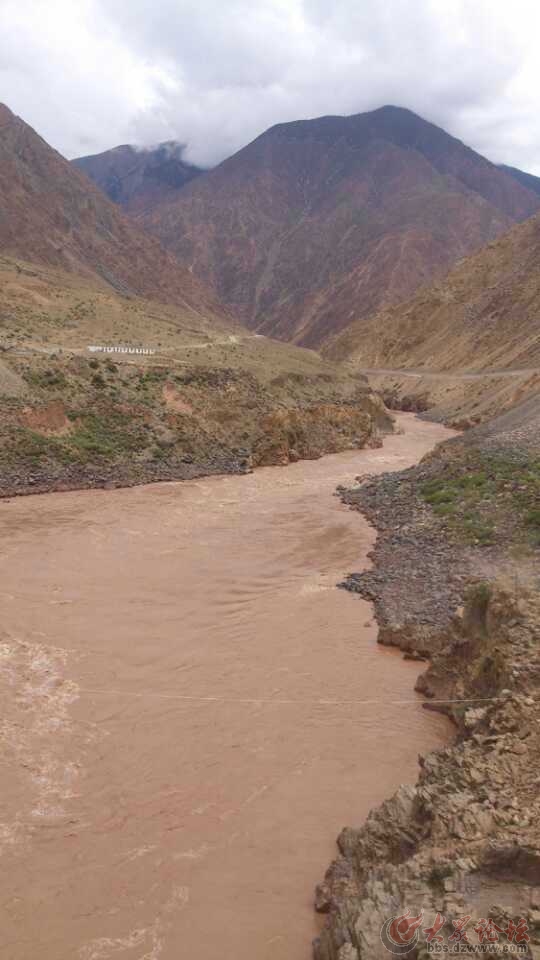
(319, 222)
(306, 434)
(464, 842)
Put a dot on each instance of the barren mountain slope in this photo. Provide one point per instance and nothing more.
(318, 222)
(484, 315)
(527, 179)
(139, 179)
(52, 214)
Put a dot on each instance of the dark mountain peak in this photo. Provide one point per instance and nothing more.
(404, 127)
(394, 123)
(168, 148)
(138, 177)
(396, 126)
(352, 140)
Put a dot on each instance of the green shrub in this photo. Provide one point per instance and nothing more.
(532, 518)
(444, 509)
(481, 495)
(440, 496)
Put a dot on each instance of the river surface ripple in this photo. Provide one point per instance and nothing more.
(184, 723)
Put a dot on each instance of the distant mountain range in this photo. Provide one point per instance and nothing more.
(316, 225)
(320, 222)
(136, 178)
(52, 214)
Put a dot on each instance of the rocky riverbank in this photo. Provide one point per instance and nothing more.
(417, 576)
(466, 513)
(464, 842)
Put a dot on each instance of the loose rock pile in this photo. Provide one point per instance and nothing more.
(417, 578)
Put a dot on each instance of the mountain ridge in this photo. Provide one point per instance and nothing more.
(316, 221)
(528, 180)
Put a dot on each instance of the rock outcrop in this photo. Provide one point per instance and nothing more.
(306, 434)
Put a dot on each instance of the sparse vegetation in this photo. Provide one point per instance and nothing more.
(30, 449)
(532, 519)
(47, 379)
(108, 435)
(486, 496)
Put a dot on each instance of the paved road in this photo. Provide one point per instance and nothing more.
(159, 354)
(449, 375)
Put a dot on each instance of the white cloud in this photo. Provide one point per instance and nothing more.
(214, 74)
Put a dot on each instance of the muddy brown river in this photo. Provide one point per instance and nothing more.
(191, 711)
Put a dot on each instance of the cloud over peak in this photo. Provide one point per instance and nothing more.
(214, 75)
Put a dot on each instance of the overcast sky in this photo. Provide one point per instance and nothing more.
(90, 74)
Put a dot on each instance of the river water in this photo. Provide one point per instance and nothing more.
(191, 711)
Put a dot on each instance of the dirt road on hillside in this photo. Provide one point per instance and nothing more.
(448, 375)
